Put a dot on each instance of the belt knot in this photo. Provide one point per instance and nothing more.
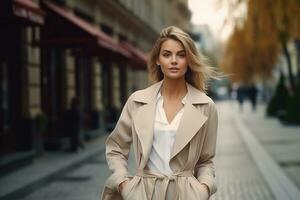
(166, 179)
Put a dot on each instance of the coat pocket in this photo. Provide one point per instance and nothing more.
(202, 192)
(127, 189)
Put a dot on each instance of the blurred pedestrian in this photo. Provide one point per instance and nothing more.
(73, 125)
(240, 94)
(252, 95)
(229, 91)
(172, 126)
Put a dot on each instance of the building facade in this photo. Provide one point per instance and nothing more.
(57, 50)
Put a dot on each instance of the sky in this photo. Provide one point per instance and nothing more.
(211, 13)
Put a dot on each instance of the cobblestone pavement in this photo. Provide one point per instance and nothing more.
(237, 176)
(281, 141)
(83, 183)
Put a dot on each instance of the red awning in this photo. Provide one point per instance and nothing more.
(139, 57)
(28, 9)
(21, 11)
(97, 36)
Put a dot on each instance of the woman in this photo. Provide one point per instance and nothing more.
(172, 126)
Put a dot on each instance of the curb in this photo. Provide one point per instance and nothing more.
(280, 185)
(41, 181)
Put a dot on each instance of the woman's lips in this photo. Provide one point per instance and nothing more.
(173, 69)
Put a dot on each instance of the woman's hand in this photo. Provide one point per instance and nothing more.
(122, 185)
(206, 188)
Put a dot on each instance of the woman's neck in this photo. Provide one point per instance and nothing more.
(174, 88)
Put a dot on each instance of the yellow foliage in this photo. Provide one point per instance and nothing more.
(253, 49)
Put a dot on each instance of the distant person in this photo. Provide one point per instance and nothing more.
(73, 125)
(229, 91)
(173, 161)
(252, 91)
(240, 96)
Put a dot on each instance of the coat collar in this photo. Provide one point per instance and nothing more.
(147, 95)
(191, 122)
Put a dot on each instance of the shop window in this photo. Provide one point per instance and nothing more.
(5, 119)
(123, 38)
(83, 15)
(106, 29)
(60, 2)
(83, 84)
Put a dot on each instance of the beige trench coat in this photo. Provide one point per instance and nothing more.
(191, 158)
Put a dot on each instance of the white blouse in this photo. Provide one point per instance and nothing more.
(163, 138)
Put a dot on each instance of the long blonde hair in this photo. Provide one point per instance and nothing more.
(198, 71)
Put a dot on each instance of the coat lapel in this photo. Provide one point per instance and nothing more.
(143, 120)
(191, 122)
(144, 126)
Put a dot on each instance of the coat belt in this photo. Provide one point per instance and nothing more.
(165, 180)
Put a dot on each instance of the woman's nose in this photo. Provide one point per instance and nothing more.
(174, 60)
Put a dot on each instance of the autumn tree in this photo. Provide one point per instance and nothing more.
(287, 18)
(268, 27)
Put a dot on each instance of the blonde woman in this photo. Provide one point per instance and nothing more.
(172, 126)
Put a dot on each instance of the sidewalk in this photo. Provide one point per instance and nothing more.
(270, 143)
(244, 168)
(282, 142)
(45, 168)
(237, 174)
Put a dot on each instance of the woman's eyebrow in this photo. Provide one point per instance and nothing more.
(168, 51)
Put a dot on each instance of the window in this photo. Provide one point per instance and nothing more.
(106, 29)
(83, 15)
(4, 98)
(60, 2)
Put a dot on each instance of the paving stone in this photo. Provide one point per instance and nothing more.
(237, 175)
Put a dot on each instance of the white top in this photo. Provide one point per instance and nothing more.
(163, 138)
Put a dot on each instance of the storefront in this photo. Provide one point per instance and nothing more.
(19, 24)
(70, 46)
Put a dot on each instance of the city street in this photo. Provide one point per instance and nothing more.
(237, 174)
(68, 68)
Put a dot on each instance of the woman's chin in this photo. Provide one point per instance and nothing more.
(174, 76)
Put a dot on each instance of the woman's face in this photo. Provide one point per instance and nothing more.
(172, 59)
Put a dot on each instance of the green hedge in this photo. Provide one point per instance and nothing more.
(293, 109)
(278, 103)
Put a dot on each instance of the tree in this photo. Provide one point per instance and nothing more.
(252, 49)
(286, 15)
(268, 27)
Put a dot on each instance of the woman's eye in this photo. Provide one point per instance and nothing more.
(166, 55)
(181, 55)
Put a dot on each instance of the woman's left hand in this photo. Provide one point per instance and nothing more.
(205, 191)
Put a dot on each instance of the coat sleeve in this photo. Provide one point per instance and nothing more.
(117, 148)
(205, 169)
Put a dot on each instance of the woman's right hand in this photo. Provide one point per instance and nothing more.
(122, 185)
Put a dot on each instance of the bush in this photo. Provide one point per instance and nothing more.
(279, 102)
(293, 109)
